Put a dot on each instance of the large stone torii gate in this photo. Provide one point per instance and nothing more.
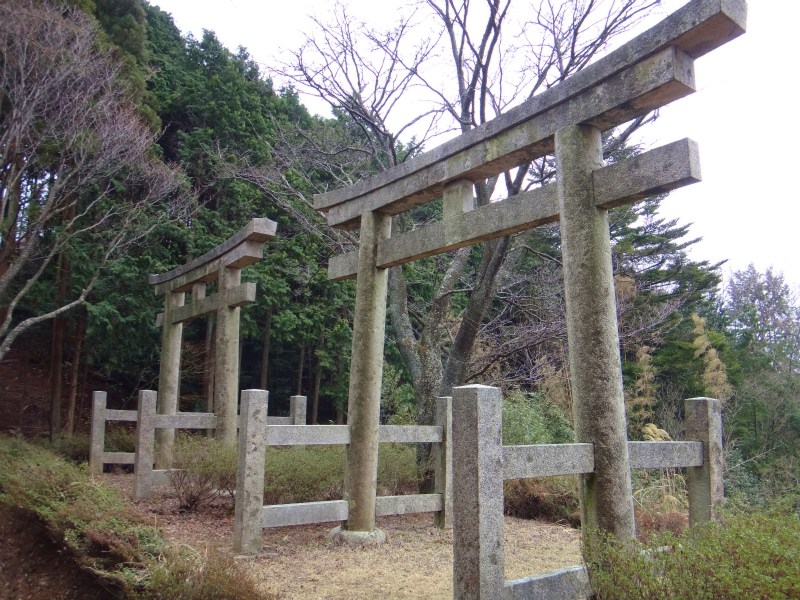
(225, 263)
(650, 71)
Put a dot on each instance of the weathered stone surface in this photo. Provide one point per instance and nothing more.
(409, 434)
(477, 493)
(596, 370)
(247, 521)
(546, 460)
(568, 583)
(119, 415)
(226, 366)
(169, 376)
(119, 458)
(703, 421)
(443, 461)
(159, 477)
(280, 515)
(342, 537)
(257, 230)
(366, 368)
(650, 173)
(457, 198)
(695, 29)
(186, 421)
(307, 435)
(280, 421)
(407, 504)
(97, 435)
(297, 409)
(237, 296)
(660, 455)
(654, 82)
(145, 441)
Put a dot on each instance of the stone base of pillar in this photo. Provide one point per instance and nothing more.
(342, 537)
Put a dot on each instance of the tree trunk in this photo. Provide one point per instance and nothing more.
(265, 349)
(77, 345)
(208, 375)
(57, 350)
(298, 388)
(316, 384)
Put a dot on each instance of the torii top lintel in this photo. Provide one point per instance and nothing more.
(241, 249)
(653, 69)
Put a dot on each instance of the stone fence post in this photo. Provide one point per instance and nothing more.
(477, 493)
(297, 409)
(704, 424)
(97, 436)
(443, 462)
(252, 443)
(145, 444)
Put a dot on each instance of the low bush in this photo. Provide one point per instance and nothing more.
(530, 419)
(316, 473)
(553, 499)
(202, 469)
(751, 555)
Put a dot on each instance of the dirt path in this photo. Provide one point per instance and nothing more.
(302, 564)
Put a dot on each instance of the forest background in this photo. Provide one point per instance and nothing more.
(89, 211)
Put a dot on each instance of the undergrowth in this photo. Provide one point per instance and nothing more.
(98, 528)
(751, 555)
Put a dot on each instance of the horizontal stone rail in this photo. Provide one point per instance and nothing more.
(118, 458)
(568, 583)
(120, 415)
(307, 435)
(481, 463)
(280, 515)
(407, 504)
(184, 420)
(522, 462)
(547, 460)
(654, 172)
(662, 455)
(255, 434)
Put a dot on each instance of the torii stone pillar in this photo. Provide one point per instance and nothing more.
(594, 355)
(225, 263)
(366, 366)
(169, 376)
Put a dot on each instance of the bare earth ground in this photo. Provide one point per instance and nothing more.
(300, 562)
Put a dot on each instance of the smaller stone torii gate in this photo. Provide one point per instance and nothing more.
(650, 71)
(224, 263)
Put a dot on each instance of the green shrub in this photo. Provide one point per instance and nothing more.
(120, 437)
(398, 472)
(75, 447)
(303, 474)
(202, 469)
(752, 555)
(530, 419)
(316, 473)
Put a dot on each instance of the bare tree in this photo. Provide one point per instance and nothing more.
(75, 160)
(480, 47)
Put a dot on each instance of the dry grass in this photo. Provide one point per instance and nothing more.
(415, 563)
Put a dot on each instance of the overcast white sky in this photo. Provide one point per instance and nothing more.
(743, 116)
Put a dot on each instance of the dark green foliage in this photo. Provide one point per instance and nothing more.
(530, 419)
(752, 555)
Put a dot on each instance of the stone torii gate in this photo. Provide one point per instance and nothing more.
(650, 71)
(225, 263)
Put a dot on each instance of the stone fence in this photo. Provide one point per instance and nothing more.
(255, 434)
(481, 463)
(147, 421)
